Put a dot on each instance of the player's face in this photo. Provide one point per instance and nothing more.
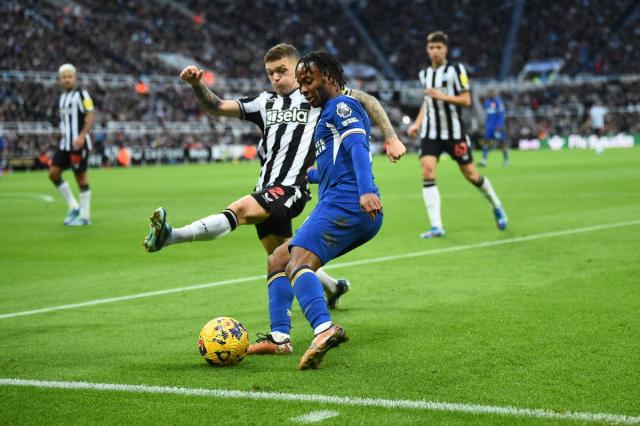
(313, 85)
(67, 79)
(281, 73)
(437, 52)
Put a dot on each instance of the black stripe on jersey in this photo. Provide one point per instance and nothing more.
(309, 159)
(292, 150)
(286, 103)
(254, 117)
(262, 146)
(448, 106)
(436, 111)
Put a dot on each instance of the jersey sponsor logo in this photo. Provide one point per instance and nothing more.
(293, 115)
(349, 121)
(343, 110)
(320, 146)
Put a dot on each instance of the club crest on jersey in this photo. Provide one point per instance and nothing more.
(320, 146)
(343, 110)
(293, 115)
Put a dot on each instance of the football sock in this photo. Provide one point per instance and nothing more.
(208, 228)
(328, 283)
(308, 291)
(65, 191)
(85, 202)
(485, 152)
(431, 196)
(280, 300)
(484, 185)
(505, 155)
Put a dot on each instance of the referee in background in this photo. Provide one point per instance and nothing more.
(76, 119)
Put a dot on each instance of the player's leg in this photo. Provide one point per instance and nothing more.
(483, 184)
(244, 211)
(430, 191)
(505, 151)
(278, 340)
(308, 290)
(486, 146)
(59, 163)
(85, 198)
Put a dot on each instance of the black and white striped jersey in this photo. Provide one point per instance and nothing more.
(73, 106)
(287, 123)
(443, 120)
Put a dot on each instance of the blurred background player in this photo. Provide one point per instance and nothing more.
(439, 122)
(598, 114)
(349, 210)
(494, 132)
(76, 120)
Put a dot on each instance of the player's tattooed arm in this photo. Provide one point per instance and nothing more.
(394, 147)
(209, 100)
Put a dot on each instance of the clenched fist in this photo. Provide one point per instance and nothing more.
(192, 75)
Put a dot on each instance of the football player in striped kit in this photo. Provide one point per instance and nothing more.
(76, 120)
(287, 122)
(441, 129)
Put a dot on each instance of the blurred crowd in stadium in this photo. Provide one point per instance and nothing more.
(377, 40)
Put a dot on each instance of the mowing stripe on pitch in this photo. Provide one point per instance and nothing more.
(453, 407)
(463, 247)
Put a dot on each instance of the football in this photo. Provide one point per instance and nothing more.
(223, 341)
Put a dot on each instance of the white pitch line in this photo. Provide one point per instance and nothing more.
(453, 407)
(334, 266)
(315, 416)
(33, 195)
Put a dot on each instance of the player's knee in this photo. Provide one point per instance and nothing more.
(54, 176)
(278, 260)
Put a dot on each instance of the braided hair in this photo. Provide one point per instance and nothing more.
(327, 64)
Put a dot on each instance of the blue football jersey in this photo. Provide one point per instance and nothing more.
(494, 110)
(341, 139)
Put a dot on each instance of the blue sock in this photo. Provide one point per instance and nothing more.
(280, 300)
(485, 152)
(310, 295)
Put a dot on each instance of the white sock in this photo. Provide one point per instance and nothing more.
(322, 327)
(328, 283)
(431, 196)
(65, 191)
(279, 336)
(208, 228)
(85, 204)
(487, 189)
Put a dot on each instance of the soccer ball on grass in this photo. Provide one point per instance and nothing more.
(223, 341)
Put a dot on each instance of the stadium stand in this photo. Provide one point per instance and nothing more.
(222, 37)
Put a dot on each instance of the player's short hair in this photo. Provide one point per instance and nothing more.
(66, 67)
(281, 50)
(327, 64)
(438, 37)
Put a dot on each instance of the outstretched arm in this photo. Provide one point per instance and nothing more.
(394, 147)
(207, 99)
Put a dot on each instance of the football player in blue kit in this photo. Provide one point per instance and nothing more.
(494, 128)
(348, 213)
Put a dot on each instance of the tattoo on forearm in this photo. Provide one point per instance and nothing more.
(377, 114)
(209, 100)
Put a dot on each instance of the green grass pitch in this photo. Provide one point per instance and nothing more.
(550, 322)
